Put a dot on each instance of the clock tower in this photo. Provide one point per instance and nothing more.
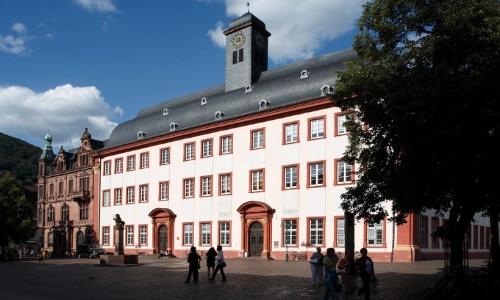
(246, 51)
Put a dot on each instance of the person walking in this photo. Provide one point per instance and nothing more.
(221, 264)
(331, 277)
(194, 260)
(348, 275)
(316, 263)
(211, 254)
(366, 270)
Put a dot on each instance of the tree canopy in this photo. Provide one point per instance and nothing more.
(423, 103)
(20, 158)
(17, 222)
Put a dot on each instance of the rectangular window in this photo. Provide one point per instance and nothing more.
(316, 174)
(205, 234)
(130, 195)
(163, 190)
(257, 139)
(144, 160)
(70, 186)
(206, 186)
(143, 234)
(423, 231)
(488, 238)
(481, 237)
(207, 148)
(434, 227)
(119, 165)
(188, 234)
(189, 152)
(188, 188)
(225, 144)
(316, 232)
(61, 187)
(317, 129)
(84, 184)
(225, 184)
(106, 198)
(476, 237)
(107, 168)
(118, 196)
(344, 172)
(130, 235)
(144, 193)
(375, 234)
(84, 211)
(340, 232)
(224, 233)
(131, 163)
(340, 124)
(40, 191)
(51, 190)
(291, 133)
(290, 175)
(105, 235)
(165, 156)
(290, 232)
(257, 180)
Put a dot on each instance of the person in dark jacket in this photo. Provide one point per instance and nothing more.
(316, 263)
(211, 254)
(366, 270)
(194, 260)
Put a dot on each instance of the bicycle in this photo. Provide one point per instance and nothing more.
(297, 255)
(185, 254)
(446, 288)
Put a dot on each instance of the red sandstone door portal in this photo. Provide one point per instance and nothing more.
(256, 239)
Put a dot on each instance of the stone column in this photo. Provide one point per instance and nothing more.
(118, 239)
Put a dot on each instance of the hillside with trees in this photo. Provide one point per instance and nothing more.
(19, 158)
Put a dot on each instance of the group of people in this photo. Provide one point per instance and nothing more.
(215, 263)
(347, 267)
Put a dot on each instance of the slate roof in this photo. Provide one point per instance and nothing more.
(281, 87)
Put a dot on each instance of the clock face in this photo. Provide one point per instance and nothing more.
(238, 40)
(259, 40)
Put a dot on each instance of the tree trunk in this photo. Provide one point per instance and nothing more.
(457, 226)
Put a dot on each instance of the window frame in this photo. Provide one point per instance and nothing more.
(210, 188)
(193, 155)
(144, 197)
(423, 231)
(220, 232)
(202, 152)
(336, 171)
(336, 231)
(284, 229)
(144, 160)
(309, 128)
(184, 180)
(129, 235)
(384, 235)
(184, 224)
(107, 167)
(284, 137)
(106, 235)
(476, 236)
(104, 193)
(118, 165)
(128, 194)
(230, 175)
(201, 237)
(263, 130)
(309, 231)
(309, 164)
(436, 244)
(128, 163)
(160, 192)
(221, 144)
(336, 117)
(115, 196)
(251, 172)
(283, 177)
(143, 235)
(167, 149)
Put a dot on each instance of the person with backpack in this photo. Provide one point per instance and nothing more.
(194, 260)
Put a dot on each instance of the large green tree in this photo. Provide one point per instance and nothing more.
(424, 103)
(17, 222)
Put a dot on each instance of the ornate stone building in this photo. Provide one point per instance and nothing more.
(65, 198)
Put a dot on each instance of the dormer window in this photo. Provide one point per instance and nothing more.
(218, 115)
(173, 126)
(203, 101)
(304, 74)
(263, 104)
(166, 111)
(326, 90)
(248, 88)
(141, 134)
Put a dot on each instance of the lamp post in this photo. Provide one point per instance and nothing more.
(286, 225)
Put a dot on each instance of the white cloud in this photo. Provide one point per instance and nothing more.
(65, 110)
(15, 45)
(49, 35)
(101, 6)
(104, 26)
(298, 28)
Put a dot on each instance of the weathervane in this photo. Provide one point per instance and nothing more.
(248, 6)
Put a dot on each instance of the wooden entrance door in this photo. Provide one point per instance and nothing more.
(162, 238)
(256, 239)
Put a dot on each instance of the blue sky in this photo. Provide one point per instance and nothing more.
(70, 64)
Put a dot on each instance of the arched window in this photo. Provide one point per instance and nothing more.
(50, 239)
(80, 238)
(64, 213)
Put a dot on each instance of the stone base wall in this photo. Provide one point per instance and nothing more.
(119, 260)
